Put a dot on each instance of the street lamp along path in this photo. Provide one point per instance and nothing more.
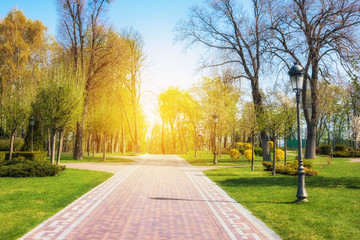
(296, 74)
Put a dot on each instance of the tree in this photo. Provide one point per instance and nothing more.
(237, 36)
(83, 34)
(59, 103)
(22, 49)
(317, 34)
(272, 120)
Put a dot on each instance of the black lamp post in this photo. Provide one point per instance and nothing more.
(32, 121)
(215, 119)
(296, 74)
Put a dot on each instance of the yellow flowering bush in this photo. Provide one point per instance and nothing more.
(240, 144)
(271, 144)
(279, 154)
(248, 146)
(234, 154)
(248, 154)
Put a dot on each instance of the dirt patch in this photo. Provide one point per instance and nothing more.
(355, 160)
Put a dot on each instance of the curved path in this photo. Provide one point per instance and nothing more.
(157, 197)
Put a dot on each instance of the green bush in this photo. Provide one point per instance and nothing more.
(2, 157)
(32, 156)
(20, 167)
(225, 151)
(342, 154)
(242, 151)
(291, 168)
(5, 144)
(325, 149)
(354, 153)
(340, 148)
(258, 151)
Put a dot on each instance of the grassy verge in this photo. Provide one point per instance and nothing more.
(332, 213)
(68, 158)
(26, 202)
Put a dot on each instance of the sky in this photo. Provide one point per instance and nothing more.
(168, 64)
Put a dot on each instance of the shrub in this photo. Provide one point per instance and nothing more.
(248, 154)
(5, 144)
(279, 154)
(225, 151)
(342, 154)
(248, 146)
(291, 168)
(234, 154)
(2, 157)
(242, 151)
(318, 151)
(340, 148)
(271, 144)
(258, 151)
(20, 167)
(32, 156)
(325, 149)
(240, 144)
(354, 153)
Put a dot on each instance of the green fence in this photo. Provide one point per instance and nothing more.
(293, 144)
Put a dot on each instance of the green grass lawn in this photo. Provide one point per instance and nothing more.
(113, 158)
(333, 210)
(26, 202)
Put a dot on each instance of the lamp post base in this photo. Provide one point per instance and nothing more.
(302, 200)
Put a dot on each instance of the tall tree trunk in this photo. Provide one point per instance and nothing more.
(162, 136)
(173, 137)
(104, 153)
(48, 143)
(274, 159)
(180, 139)
(53, 146)
(265, 147)
(252, 150)
(123, 147)
(61, 139)
(310, 150)
(12, 139)
(88, 143)
(78, 148)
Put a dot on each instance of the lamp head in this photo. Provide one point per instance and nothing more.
(296, 74)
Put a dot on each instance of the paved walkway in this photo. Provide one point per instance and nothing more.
(157, 197)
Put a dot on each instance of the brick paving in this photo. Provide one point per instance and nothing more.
(157, 197)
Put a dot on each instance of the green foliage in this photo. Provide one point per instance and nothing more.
(2, 157)
(258, 151)
(325, 149)
(5, 144)
(31, 156)
(340, 148)
(291, 168)
(20, 167)
(234, 154)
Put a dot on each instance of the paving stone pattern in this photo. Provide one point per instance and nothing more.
(157, 197)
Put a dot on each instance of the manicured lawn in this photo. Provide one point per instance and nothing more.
(333, 211)
(26, 202)
(113, 158)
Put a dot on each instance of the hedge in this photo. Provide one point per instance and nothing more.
(20, 167)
